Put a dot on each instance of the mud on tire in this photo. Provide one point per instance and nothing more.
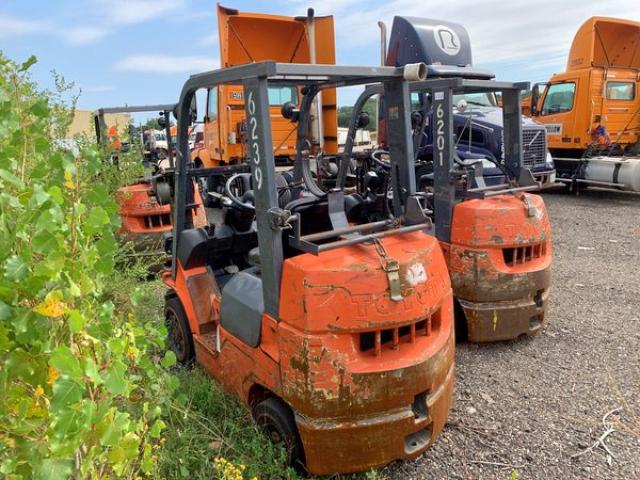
(275, 419)
(179, 337)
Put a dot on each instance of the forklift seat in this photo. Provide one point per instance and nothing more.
(242, 306)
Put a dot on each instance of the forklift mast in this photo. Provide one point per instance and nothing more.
(271, 219)
(164, 110)
(437, 95)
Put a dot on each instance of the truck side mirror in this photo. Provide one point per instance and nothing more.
(193, 110)
(161, 122)
(290, 111)
(535, 96)
(363, 120)
(416, 119)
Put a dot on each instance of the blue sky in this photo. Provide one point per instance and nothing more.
(141, 51)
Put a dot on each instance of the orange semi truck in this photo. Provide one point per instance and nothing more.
(592, 110)
(254, 37)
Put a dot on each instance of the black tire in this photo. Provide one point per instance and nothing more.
(179, 337)
(460, 322)
(275, 419)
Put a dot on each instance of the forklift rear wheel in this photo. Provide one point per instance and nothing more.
(179, 338)
(461, 325)
(275, 419)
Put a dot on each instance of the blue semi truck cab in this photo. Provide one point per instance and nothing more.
(446, 49)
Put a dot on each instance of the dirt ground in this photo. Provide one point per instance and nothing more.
(524, 409)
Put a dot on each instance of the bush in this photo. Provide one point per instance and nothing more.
(82, 384)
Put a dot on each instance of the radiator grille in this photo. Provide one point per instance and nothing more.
(520, 255)
(534, 146)
(158, 221)
(376, 341)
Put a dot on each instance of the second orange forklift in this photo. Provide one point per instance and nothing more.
(496, 239)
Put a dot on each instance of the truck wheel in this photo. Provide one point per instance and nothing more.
(275, 419)
(179, 338)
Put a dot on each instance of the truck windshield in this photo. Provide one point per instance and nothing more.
(281, 95)
(559, 98)
(483, 99)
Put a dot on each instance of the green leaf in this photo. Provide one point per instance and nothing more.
(28, 63)
(40, 108)
(97, 219)
(76, 321)
(157, 428)
(169, 359)
(130, 444)
(115, 380)
(91, 371)
(5, 311)
(111, 427)
(44, 242)
(11, 178)
(52, 468)
(56, 194)
(15, 268)
(65, 392)
(65, 362)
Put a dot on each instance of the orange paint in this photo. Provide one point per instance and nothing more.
(499, 262)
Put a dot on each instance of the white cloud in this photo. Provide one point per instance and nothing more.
(13, 26)
(97, 89)
(108, 17)
(166, 64)
(209, 40)
(128, 12)
(501, 32)
(84, 35)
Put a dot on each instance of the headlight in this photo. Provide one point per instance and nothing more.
(488, 163)
(549, 160)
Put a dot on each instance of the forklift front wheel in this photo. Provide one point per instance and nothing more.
(275, 419)
(179, 338)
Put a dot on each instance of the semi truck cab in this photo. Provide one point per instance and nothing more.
(477, 116)
(592, 110)
(247, 37)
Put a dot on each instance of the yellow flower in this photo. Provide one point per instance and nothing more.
(38, 392)
(52, 306)
(132, 353)
(68, 180)
(52, 375)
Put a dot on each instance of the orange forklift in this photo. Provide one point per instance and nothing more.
(338, 337)
(496, 239)
(144, 206)
(247, 37)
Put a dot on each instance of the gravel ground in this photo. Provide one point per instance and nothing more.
(528, 406)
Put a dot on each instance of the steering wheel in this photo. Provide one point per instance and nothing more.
(230, 187)
(376, 156)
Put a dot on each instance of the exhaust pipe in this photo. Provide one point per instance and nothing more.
(414, 72)
(383, 42)
(317, 135)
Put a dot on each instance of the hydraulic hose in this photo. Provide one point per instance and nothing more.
(310, 182)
